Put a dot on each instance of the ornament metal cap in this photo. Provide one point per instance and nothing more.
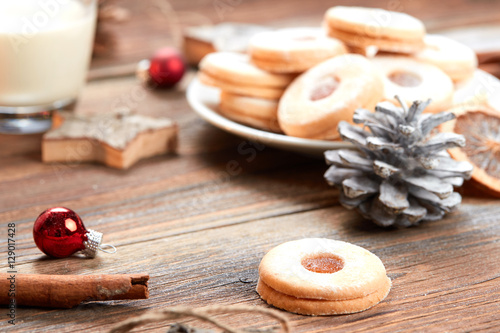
(142, 71)
(93, 243)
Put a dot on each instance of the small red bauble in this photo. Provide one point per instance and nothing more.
(163, 70)
(59, 232)
(166, 68)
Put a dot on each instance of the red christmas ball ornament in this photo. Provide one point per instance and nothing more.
(59, 232)
(165, 68)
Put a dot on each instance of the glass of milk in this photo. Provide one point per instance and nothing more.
(45, 50)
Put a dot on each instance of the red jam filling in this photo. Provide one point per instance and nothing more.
(324, 88)
(323, 264)
(405, 79)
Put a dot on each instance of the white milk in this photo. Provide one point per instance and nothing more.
(45, 48)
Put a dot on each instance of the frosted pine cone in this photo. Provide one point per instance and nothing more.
(400, 174)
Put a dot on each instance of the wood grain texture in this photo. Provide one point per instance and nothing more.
(200, 221)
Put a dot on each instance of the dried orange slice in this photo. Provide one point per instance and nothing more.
(481, 128)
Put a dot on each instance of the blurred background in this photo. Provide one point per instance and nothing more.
(129, 31)
(132, 30)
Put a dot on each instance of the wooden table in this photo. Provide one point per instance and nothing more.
(200, 221)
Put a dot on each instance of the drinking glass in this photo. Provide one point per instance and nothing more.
(46, 49)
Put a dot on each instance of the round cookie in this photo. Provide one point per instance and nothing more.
(244, 90)
(233, 72)
(316, 101)
(389, 31)
(293, 50)
(257, 112)
(316, 307)
(356, 272)
(413, 80)
(457, 60)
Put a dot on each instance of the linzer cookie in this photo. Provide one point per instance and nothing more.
(293, 50)
(314, 104)
(117, 140)
(457, 60)
(413, 80)
(256, 112)
(233, 72)
(318, 276)
(361, 28)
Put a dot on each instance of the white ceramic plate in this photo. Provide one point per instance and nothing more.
(204, 100)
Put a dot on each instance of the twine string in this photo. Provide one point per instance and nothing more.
(204, 314)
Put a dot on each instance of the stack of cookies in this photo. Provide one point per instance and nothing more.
(249, 95)
(413, 65)
(303, 81)
(319, 276)
(369, 31)
(252, 85)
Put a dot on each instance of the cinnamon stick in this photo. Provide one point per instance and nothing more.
(67, 291)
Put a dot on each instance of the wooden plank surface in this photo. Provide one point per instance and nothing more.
(200, 221)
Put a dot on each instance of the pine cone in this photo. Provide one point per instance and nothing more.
(400, 174)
